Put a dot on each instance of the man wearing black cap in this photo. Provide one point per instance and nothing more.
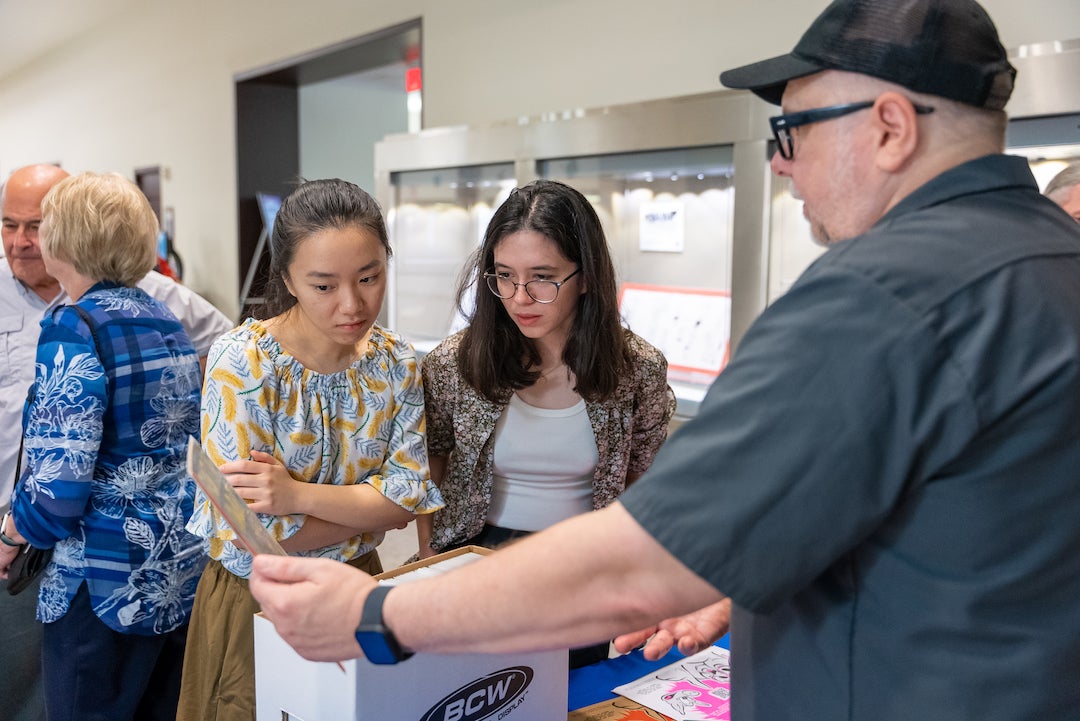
(885, 482)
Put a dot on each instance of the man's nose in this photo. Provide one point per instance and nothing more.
(780, 165)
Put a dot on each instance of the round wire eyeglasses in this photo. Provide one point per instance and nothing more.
(542, 291)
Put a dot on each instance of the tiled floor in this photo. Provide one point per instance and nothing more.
(397, 546)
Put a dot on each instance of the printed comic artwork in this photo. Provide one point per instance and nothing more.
(697, 688)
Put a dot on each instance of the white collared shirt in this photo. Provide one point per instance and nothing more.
(21, 310)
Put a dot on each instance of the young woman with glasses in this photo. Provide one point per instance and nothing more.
(545, 406)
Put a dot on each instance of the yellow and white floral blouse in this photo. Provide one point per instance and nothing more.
(364, 424)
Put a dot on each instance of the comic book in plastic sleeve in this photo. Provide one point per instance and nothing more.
(234, 509)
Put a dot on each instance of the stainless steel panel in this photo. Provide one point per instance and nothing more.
(769, 239)
(1046, 79)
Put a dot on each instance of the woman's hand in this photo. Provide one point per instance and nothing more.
(265, 484)
(8, 553)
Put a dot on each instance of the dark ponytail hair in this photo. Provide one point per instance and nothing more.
(314, 206)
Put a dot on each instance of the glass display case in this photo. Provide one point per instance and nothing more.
(703, 236)
(667, 216)
(1049, 143)
(662, 177)
(437, 219)
(625, 188)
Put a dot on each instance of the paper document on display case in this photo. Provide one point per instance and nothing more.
(229, 504)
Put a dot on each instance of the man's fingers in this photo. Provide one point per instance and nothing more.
(689, 644)
(658, 646)
(629, 641)
(281, 569)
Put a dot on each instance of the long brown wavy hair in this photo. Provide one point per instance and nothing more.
(493, 354)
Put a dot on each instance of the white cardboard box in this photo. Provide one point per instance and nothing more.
(426, 687)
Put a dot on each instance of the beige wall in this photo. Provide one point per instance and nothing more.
(153, 83)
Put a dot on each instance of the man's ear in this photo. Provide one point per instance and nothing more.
(896, 122)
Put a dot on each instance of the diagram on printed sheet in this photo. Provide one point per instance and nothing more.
(691, 327)
(697, 688)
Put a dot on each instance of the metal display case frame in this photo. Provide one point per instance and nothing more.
(731, 118)
(1046, 88)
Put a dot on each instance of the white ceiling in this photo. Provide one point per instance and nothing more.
(32, 28)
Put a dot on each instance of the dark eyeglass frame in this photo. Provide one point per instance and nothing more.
(782, 125)
(493, 285)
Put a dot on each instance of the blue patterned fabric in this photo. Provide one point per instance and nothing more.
(104, 480)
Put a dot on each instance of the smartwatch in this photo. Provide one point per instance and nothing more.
(378, 642)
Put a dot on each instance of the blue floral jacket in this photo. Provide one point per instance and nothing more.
(104, 481)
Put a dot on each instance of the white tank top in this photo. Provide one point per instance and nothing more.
(543, 467)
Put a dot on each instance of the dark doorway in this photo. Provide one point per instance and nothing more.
(149, 182)
(268, 132)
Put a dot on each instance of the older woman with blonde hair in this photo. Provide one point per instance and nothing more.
(115, 397)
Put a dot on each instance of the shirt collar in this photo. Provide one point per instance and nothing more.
(988, 173)
(28, 296)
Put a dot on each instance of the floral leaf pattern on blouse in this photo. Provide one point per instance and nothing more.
(126, 301)
(364, 424)
(138, 482)
(157, 589)
(174, 420)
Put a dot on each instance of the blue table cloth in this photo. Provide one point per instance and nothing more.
(592, 684)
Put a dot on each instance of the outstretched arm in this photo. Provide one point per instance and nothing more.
(584, 580)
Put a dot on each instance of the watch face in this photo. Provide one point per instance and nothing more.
(376, 648)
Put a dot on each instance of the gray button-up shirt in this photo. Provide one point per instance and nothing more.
(21, 310)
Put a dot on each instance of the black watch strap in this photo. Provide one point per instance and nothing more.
(378, 642)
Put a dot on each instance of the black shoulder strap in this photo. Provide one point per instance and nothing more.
(90, 323)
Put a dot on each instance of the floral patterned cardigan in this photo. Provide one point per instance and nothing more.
(629, 428)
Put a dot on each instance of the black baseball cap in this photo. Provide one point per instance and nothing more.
(948, 48)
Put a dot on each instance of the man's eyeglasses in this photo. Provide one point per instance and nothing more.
(542, 291)
(782, 125)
